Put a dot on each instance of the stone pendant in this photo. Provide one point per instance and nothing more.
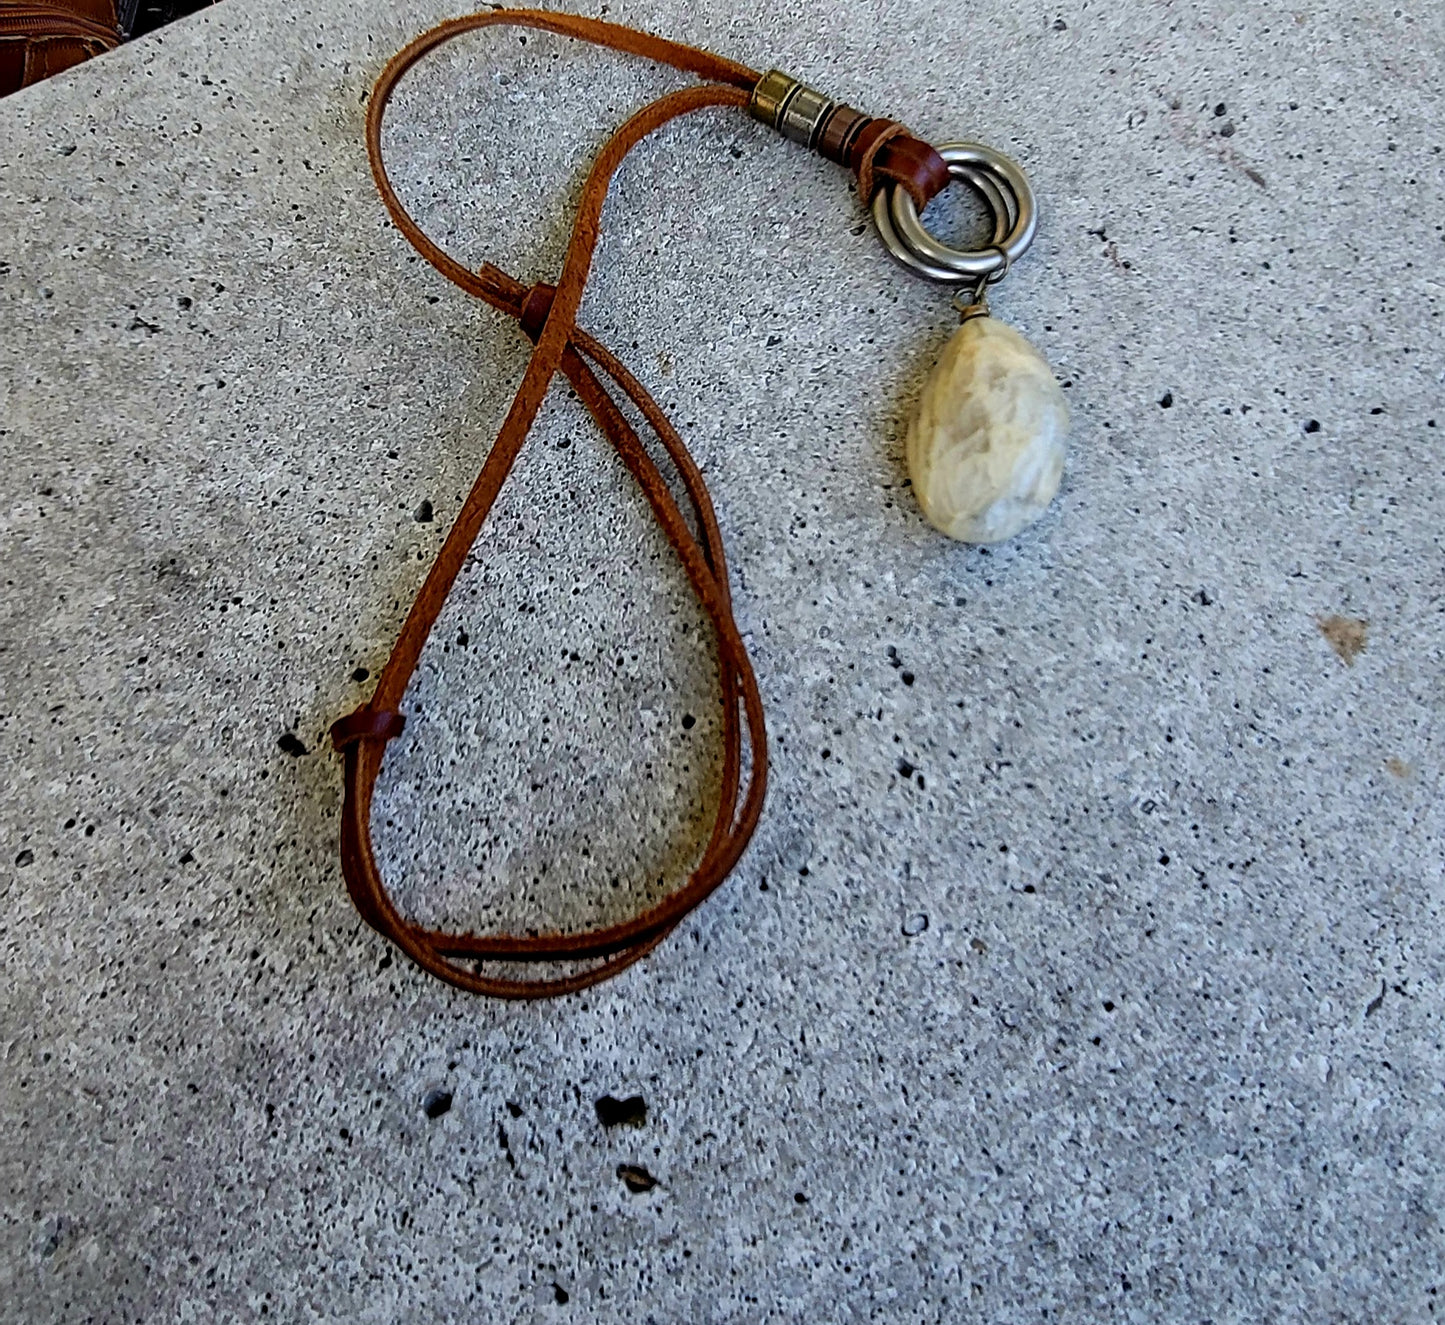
(986, 448)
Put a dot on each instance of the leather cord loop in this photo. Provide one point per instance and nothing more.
(547, 315)
(909, 162)
(884, 151)
(864, 157)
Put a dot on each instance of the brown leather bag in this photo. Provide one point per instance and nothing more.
(42, 37)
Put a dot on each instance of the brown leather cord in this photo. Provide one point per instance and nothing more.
(547, 314)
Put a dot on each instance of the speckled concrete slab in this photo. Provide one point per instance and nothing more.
(1088, 963)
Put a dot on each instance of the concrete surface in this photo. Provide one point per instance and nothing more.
(1170, 1045)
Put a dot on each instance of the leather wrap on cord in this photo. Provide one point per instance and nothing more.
(547, 314)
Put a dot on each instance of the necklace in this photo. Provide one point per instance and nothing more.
(985, 451)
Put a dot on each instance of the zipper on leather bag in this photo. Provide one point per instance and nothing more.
(39, 21)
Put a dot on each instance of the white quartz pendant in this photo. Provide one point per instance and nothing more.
(986, 448)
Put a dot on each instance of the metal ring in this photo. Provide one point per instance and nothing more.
(1001, 204)
(981, 262)
(1002, 184)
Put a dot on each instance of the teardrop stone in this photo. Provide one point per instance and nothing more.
(986, 448)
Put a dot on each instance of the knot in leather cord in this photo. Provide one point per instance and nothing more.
(366, 724)
(536, 308)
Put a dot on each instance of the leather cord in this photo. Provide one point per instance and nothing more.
(547, 314)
